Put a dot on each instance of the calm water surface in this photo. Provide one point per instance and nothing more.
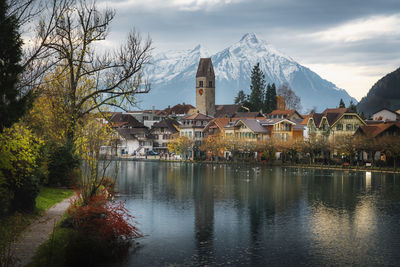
(227, 215)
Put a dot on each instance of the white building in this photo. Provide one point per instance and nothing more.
(386, 114)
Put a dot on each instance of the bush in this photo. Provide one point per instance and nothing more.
(103, 231)
(103, 219)
(25, 195)
(19, 165)
(62, 165)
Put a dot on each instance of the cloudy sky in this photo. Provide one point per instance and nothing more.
(351, 43)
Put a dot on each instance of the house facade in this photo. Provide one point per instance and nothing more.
(333, 123)
(247, 129)
(386, 115)
(164, 132)
(135, 137)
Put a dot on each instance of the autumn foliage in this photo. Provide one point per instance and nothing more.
(103, 219)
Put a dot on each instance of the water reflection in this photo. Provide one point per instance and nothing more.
(198, 214)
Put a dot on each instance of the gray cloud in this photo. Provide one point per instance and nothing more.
(285, 24)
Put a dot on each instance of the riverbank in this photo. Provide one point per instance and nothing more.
(14, 226)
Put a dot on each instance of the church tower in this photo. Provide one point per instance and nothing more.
(205, 87)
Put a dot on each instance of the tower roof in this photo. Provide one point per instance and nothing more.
(205, 68)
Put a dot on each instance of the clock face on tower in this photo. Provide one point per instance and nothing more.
(201, 91)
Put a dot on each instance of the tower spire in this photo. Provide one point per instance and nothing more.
(205, 87)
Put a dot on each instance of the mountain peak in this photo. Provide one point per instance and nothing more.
(203, 52)
(250, 37)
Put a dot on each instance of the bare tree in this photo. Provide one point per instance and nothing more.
(291, 99)
(37, 21)
(94, 79)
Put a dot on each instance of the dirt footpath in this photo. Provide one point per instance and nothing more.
(37, 233)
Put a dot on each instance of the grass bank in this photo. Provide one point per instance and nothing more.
(12, 225)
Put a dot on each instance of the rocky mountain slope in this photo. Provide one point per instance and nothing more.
(384, 94)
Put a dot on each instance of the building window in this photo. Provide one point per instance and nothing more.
(348, 117)
(349, 127)
(210, 84)
(156, 118)
(339, 127)
(200, 83)
(162, 130)
(145, 118)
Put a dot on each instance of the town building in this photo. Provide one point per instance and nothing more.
(247, 129)
(135, 137)
(379, 130)
(386, 114)
(333, 123)
(164, 132)
(179, 111)
(289, 114)
(147, 117)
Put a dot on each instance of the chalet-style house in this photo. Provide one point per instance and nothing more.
(264, 129)
(216, 127)
(386, 114)
(379, 130)
(247, 129)
(334, 122)
(164, 132)
(135, 138)
(284, 114)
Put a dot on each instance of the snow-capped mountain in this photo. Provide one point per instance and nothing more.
(172, 75)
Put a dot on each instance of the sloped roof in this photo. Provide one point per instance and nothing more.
(253, 124)
(205, 68)
(179, 109)
(275, 121)
(298, 124)
(198, 116)
(170, 124)
(130, 133)
(125, 120)
(219, 122)
(249, 115)
(392, 111)
(317, 117)
(333, 114)
(306, 118)
(286, 113)
(225, 110)
(377, 129)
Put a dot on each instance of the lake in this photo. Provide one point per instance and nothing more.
(230, 215)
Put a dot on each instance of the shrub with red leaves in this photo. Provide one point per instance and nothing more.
(103, 219)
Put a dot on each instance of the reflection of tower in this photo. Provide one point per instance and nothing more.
(205, 87)
(204, 217)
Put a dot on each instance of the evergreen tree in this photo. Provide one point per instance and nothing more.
(257, 87)
(270, 101)
(352, 106)
(273, 98)
(266, 98)
(240, 98)
(341, 104)
(13, 101)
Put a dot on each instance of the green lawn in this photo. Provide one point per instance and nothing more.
(49, 196)
(12, 225)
